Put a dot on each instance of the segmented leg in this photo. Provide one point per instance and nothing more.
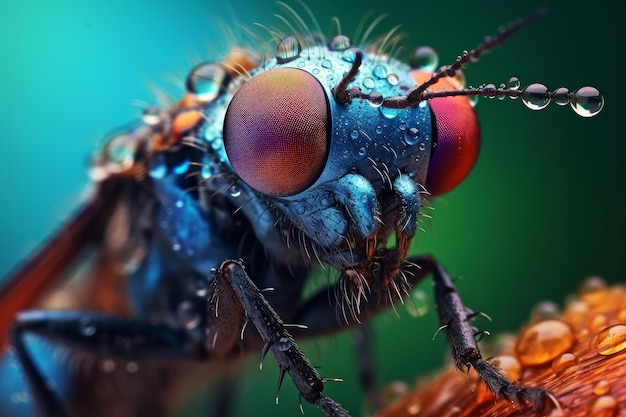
(288, 355)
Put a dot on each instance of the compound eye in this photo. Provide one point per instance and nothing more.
(457, 137)
(277, 133)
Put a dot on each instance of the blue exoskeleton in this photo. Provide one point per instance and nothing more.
(320, 154)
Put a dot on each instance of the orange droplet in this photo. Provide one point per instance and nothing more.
(610, 340)
(564, 362)
(604, 406)
(543, 341)
(602, 387)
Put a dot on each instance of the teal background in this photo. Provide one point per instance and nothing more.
(543, 209)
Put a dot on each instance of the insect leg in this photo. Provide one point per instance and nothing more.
(454, 319)
(97, 334)
(288, 355)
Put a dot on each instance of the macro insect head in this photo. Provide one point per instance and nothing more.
(323, 153)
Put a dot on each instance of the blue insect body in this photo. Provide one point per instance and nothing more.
(318, 155)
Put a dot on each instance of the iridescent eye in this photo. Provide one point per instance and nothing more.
(277, 131)
(457, 137)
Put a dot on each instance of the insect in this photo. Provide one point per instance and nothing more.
(183, 161)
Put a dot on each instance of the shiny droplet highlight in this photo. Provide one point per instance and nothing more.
(543, 341)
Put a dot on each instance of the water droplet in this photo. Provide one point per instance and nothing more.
(602, 387)
(424, 58)
(354, 134)
(108, 366)
(388, 112)
(327, 63)
(339, 43)
(380, 71)
(561, 96)
(368, 82)
(411, 136)
(379, 129)
(206, 81)
(587, 101)
(393, 392)
(375, 99)
(473, 100)
(414, 408)
(545, 310)
(593, 291)
(402, 125)
(598, 322)
(564, 362)
(151, 116)
(86, 327)
(417, 305)
(543, 341)
(132, 367)
(421, 147)
(362, 151)
(182, 167)
(283, 344)
(187, 315)
(288, 49)
(120, 151)
(158, 167)
(179, 203)
(349, 55)
(610, 340)
(301, 209)
(604, 406)
(513, 83)
(536, 96)
(235, 191)
(393, 79)
(509, 365)
(207, 170)
(490, 90)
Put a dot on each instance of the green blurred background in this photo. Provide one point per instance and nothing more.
(543, 209)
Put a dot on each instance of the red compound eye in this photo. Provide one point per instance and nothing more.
(457, 137)
(276, 131)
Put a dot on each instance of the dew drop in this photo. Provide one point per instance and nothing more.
(187, 315)
(375, 99)
(158, 167)
(489, 90)
(561, 96)
(417, 305)
(362, 151)
(235, 191)
(411, 136)
(151, 116)
(593, 291)
(393, 79)
(301, 209)
(610, 340)
(509, 365)
(604, 406)
(414, 408)
(599, 322)
(424, 58)
(283, 344)
(543, 341)
(587, 101)
(402, 125)
(182, 167)
(602, 387)
(545, 310)
(86, 327)
(369, 83)
(206, 81)
(379, 129)
(513, 83)
(564, 362)
(388, 112)
(132, 367)
(354, 134)
(349, 55)
(108, 366)
(120, 151)
(380, 71)
(327, 63)
(536, 96)
(339, 43)
(288, 49)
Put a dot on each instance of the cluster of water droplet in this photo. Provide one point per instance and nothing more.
(578, 353)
